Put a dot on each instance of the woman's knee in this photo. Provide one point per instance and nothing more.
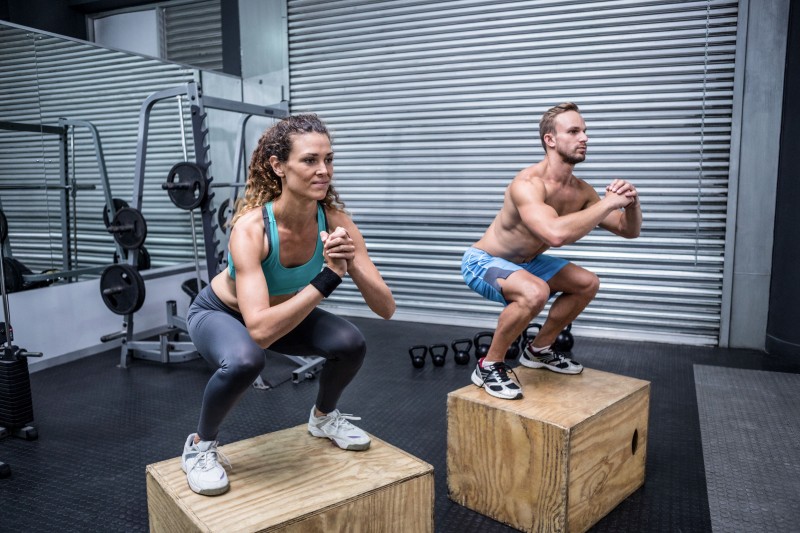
(347, 344)
(244, 363)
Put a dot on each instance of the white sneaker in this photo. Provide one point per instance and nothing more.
(336, 426)
(201, 463)
(494, 380)
(551, 360)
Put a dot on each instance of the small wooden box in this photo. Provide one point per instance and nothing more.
(289, 481)
(560, 459)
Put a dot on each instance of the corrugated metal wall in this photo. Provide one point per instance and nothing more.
(47, 78)
(193, 33)
(434, 108)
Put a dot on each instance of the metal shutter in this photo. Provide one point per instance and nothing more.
(434, 107)
(49, 77)
(193, 33)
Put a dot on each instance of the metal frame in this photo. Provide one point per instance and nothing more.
(68, 187)
(178, 348)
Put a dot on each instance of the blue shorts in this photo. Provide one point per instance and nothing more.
(481, 271)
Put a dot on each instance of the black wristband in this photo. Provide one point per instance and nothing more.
(326, 281)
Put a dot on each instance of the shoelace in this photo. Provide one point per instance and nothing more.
(341, 421)
(205, 460)
(501, 371)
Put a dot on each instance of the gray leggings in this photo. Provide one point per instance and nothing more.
(219, 334)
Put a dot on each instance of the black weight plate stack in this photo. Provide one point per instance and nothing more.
(16, 405)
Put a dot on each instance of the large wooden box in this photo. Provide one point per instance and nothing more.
(559, 459)
(289, 481)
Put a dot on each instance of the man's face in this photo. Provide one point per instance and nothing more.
(570, 138)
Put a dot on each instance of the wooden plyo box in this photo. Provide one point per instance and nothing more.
(560, 459)
(291, 482)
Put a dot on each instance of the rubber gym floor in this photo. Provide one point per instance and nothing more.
(99, 426)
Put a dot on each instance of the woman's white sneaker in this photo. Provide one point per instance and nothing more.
(337, 427)
(203, 471)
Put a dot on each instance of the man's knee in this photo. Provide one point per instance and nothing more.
(591, 284)
(532, 295)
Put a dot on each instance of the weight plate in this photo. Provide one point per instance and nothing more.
(118, 204)
(224, 213)
(143, 259)
(187, 185)
(122, 289)
(129, 228)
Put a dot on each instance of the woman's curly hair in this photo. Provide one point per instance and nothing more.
(263, 185)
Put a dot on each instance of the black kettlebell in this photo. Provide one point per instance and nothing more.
(528, 335)
(418, 354)
(438, 353)
(461, 354)
(564, 341)
(514, 349)
(482, 348)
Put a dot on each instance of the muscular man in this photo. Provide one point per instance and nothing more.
(544, 206)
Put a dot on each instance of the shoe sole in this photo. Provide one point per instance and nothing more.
(205, 492)
(349, 446)
(524, 361)
(477, 382)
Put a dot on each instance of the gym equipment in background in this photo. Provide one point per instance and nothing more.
(564, 342)
(417, 354)
(189, 185)
(17, 275)
(482, 347)
(461, 348)
(16, 405)
(438, 354)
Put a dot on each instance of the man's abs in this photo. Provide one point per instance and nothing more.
(515, 243)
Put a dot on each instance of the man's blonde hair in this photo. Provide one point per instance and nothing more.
(548, 122)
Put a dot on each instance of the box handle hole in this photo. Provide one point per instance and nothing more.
(635, 442)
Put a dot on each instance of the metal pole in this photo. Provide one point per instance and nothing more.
(191, 211)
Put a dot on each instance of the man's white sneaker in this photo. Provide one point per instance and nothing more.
(201, 463)
(494, 380)
(337, 427)
(551, 360)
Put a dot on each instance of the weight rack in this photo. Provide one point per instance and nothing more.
(173, 344)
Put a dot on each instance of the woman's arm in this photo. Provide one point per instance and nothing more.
(266, 323)
(376, 293)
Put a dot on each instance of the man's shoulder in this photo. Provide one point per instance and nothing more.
(529, 176)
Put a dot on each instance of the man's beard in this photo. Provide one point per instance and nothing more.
(572, 159)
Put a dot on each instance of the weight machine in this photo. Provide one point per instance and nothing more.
(189, 185)
(16, 275)
(16, 405)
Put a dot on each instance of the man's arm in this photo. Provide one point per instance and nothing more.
(626, 223)
(543, 221)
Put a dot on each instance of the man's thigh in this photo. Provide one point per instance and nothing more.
(570, 278)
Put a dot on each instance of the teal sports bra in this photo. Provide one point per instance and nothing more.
(280, 279)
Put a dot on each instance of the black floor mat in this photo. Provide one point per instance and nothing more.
(99, 427)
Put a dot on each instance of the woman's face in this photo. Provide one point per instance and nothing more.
(308, 170)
